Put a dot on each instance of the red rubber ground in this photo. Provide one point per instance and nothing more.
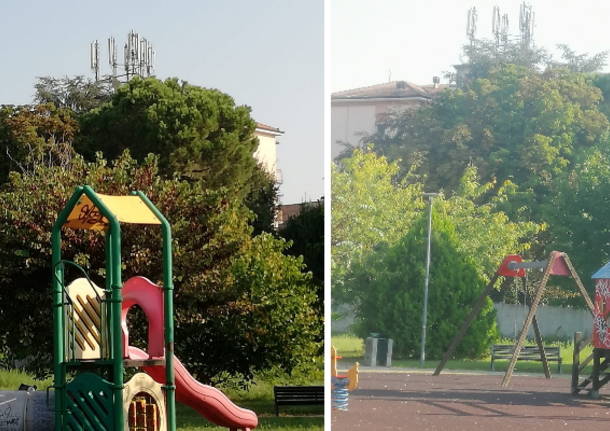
(398, 401)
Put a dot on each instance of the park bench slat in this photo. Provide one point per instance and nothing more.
(527, 353)
(297, 395)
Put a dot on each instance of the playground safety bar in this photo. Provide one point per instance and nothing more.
(538, 264)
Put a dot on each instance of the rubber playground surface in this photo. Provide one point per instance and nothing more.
(464, 402)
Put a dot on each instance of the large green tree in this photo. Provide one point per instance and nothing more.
(369, 206)
(198, 133)
(35, 134)
(262, 200)
(533, 126)
(388, 292)
(183, 109)
(577, 214)
(241, 304)
(78, 94)
(514, 124)
(305, 232)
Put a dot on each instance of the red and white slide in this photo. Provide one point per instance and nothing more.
(206, 400)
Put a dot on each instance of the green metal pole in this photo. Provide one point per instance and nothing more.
(58, 332)
(115, 315)
(168, 285)
(59, 375)
(115, 307)
(106, 309)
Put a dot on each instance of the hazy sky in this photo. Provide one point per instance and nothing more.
(267, 54)
(418, 39)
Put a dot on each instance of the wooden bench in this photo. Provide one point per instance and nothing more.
(297, 395)
(527, 353)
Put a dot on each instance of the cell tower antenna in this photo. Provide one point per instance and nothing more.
(526, 24)
(138, 58)
(504, 29)
(94, 54)
(112, 56)
(471, 25)
(496, 24)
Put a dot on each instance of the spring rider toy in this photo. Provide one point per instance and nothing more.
(342, 385)
(91, 339)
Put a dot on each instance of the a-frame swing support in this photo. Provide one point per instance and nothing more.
(558, 263)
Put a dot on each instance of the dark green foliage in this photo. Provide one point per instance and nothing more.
(389, 293)
(78, 94)
(536, 128)
(306, 232)
(237, 298)
(484, 56)
(31, 135)
(198, 133)
(242, 305)
(602, 81)
(262, 200)
(513, 124)
(577, 214)
(581, 63)
(272, 321)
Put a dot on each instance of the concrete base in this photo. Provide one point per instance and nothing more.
(26, 411)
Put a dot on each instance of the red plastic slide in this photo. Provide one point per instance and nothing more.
(206, 400)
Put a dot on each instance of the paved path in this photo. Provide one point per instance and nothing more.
(409, 400)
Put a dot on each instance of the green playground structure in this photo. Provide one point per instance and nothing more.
(91, 347)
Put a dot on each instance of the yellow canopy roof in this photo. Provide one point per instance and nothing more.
(127, 209)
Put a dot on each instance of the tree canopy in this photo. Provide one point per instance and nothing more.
(388, 292)
(373, 208)
(198, 133)
(305, 232)
(231, 290)
(368, 207)
(514, 124)
(242, 302)
(79, 94)
(536, 130)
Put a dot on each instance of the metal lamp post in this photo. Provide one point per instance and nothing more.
(424, 319)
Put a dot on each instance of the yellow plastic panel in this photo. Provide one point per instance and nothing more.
(85, 321)
(127, 209)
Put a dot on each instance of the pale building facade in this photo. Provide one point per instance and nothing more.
(266, 153)
(356, 112)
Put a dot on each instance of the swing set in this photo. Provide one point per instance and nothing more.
(558, 263)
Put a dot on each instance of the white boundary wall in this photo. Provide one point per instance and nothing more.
(554, 321)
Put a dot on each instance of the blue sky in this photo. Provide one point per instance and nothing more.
(267, 54)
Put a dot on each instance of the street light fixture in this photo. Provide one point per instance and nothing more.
(424, 319)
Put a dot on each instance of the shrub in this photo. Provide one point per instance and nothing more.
(241, 305)
(389, 287)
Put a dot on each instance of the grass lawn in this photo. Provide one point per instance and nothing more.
(351, 348)
(258, 398)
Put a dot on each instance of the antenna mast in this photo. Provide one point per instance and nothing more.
(504, 29)
(526, 23)
(471, 25)
(94, 55)
(495, 24)
(499, 27)
(138, 59)
(112, 55)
